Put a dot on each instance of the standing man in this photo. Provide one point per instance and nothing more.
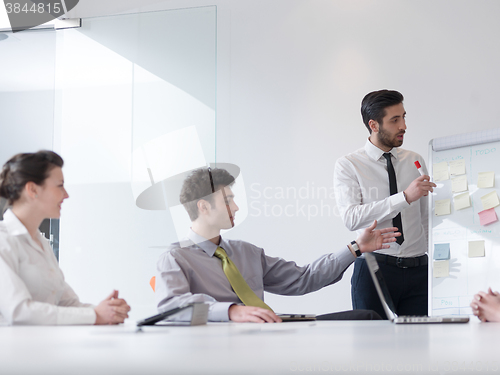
(380, 182)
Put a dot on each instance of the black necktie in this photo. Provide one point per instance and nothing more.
(393, 186)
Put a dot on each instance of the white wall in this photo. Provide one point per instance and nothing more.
(291, 76)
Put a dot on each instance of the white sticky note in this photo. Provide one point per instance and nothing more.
(485, 179)
(459, 184)
(476, 249)
(457, 167)
(441, 268)
(490, 200)
(442, 207)
(461, 201)
(440, 171)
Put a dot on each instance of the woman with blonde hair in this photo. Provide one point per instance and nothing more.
(33, 290)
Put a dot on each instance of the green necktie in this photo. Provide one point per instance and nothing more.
(240, 286)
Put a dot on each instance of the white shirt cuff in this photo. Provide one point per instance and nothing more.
(398, 202)
(219, 312)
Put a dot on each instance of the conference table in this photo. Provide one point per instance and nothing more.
(379, 347)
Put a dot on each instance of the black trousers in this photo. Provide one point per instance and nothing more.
(351, 315)
(407, 287)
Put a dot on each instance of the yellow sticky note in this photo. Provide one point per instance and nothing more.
(442, 207)
(476, 249)
(461, 201)
(490, 200)
(440, 171)
(441, 268)
(486, 179)
(459, 184)
(457, 167)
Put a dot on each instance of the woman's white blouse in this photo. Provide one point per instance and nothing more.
(32, 286)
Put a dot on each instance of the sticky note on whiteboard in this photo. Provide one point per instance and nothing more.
(486, 179)
(441, 268)
(442, 207)
(459, 184)
(490, 200)
(461, 201)
(487, 216)
(457, 167)
(441, 251)
(440, 171)
(476, 249)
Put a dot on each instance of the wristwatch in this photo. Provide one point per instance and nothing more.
(355, 246)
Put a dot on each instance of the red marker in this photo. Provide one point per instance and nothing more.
(419, 168)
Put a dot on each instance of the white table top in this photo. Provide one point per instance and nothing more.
(231, 348)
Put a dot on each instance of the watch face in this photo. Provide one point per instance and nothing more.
(355, 247)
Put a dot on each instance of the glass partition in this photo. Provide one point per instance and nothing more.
(134, 107)
(27, 69)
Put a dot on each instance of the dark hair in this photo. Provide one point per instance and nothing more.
(23, 168)
(198, 186)
(374, 104)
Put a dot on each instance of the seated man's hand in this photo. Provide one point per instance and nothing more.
(486, 306)
(253, 314)
(372, 239)
(112, 310)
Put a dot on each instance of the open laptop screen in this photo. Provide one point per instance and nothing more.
(388, 304)
(380, 285)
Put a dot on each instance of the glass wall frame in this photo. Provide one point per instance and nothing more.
(135, 105)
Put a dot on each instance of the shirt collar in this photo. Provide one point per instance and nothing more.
(16, 228)
(376, 153)
(13, 224)
(206, 245)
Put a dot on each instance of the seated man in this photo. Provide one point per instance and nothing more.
(486, 306)
(230, 275)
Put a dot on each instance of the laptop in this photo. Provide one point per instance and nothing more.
(389, 308)
(297, 317)
(198, 316)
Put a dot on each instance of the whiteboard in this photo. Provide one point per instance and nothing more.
(452, 294)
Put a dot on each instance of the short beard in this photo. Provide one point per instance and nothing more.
(385, 139)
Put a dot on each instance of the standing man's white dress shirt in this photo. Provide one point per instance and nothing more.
(32, 286)
(362, 194)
